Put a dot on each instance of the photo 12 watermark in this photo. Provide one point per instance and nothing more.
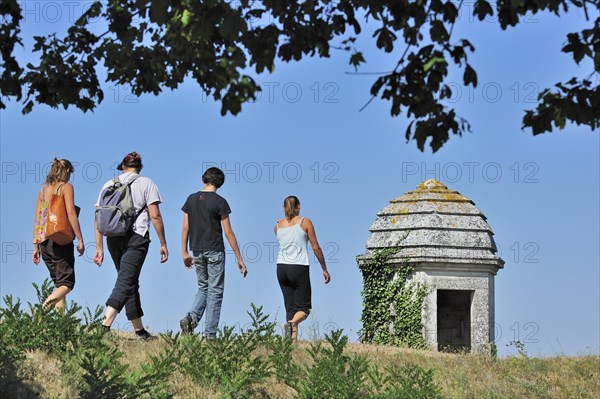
(253, 252)
(36, 172)
(278, 172)
(520, 252)
(493, 92)
(466, 13)
(267, 252)
(472, 171)
(294, 92)
(53, 12)
(526, 332)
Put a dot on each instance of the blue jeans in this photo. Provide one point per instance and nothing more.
(210, 270)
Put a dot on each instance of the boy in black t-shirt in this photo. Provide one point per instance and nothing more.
(205, 216)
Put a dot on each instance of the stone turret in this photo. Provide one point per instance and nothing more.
(450, 244)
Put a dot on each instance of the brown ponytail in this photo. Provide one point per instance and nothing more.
(290, 207)
(60, 172)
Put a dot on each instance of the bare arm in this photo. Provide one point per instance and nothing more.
(158, 224)
(99, 256)
(69, 196)
(234, 245)
(187, 259)
(276, 226)
(36, 250)
(312, 237)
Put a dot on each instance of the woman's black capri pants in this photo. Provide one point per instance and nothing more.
(294, 281)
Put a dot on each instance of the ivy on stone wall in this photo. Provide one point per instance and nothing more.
(391, 306)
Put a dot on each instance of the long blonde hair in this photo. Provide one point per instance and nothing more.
(60, 172)
(290, 207)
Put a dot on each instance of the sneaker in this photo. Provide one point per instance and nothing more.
(209, 337)
(187, 325)
(144, 336)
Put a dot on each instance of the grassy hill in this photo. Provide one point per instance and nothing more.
(456, 375)
(67, 355)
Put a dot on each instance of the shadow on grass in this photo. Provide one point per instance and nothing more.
(14, 387)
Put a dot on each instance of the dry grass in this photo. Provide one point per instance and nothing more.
(458, 375)
(468, 376)
(42, 377)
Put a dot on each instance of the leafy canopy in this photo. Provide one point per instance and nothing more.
(152, 45)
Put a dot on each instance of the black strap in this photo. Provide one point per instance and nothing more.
(141, 210)
(145, 205)
(128, 183)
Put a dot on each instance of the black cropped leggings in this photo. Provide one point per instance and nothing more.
(294, 281)
(128, 254)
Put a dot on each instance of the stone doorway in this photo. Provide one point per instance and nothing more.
(454, 320)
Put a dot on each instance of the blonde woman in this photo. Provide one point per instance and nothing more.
(293, 233)
(59, 259)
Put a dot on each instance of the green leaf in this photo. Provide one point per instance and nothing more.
(92, 12)
(28, 107)
(470, 76)
(185, 17)
(432, 62)
(482, 8)
(356, 59)
(159, 11)
(438, 32)
(385, 39)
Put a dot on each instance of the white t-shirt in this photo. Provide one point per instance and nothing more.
(143, 191)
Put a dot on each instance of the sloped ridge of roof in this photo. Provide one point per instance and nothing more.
(435, 224)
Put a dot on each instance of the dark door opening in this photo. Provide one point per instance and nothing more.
(454, 320)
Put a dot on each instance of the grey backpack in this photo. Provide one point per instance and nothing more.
(116, 214)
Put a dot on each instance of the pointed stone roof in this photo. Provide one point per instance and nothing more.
(436, 225)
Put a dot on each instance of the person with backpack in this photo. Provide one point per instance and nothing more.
(126, 206)
(293, 233)
(205, 218)
(59, 259)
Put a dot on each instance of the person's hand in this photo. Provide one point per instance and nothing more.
(80, 248)
(164, 253)
(188, 261)
(99, 257)
(327, 276)
(242, 267)
(36, 255)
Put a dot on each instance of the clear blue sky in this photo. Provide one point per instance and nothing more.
(305, 136)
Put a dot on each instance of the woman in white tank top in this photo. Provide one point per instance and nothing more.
(294, 233)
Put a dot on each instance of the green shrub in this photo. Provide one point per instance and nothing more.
(284, 369)
(230, 362)
(333, 374)
(55, 332)
(90, 360)
(237, 365)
